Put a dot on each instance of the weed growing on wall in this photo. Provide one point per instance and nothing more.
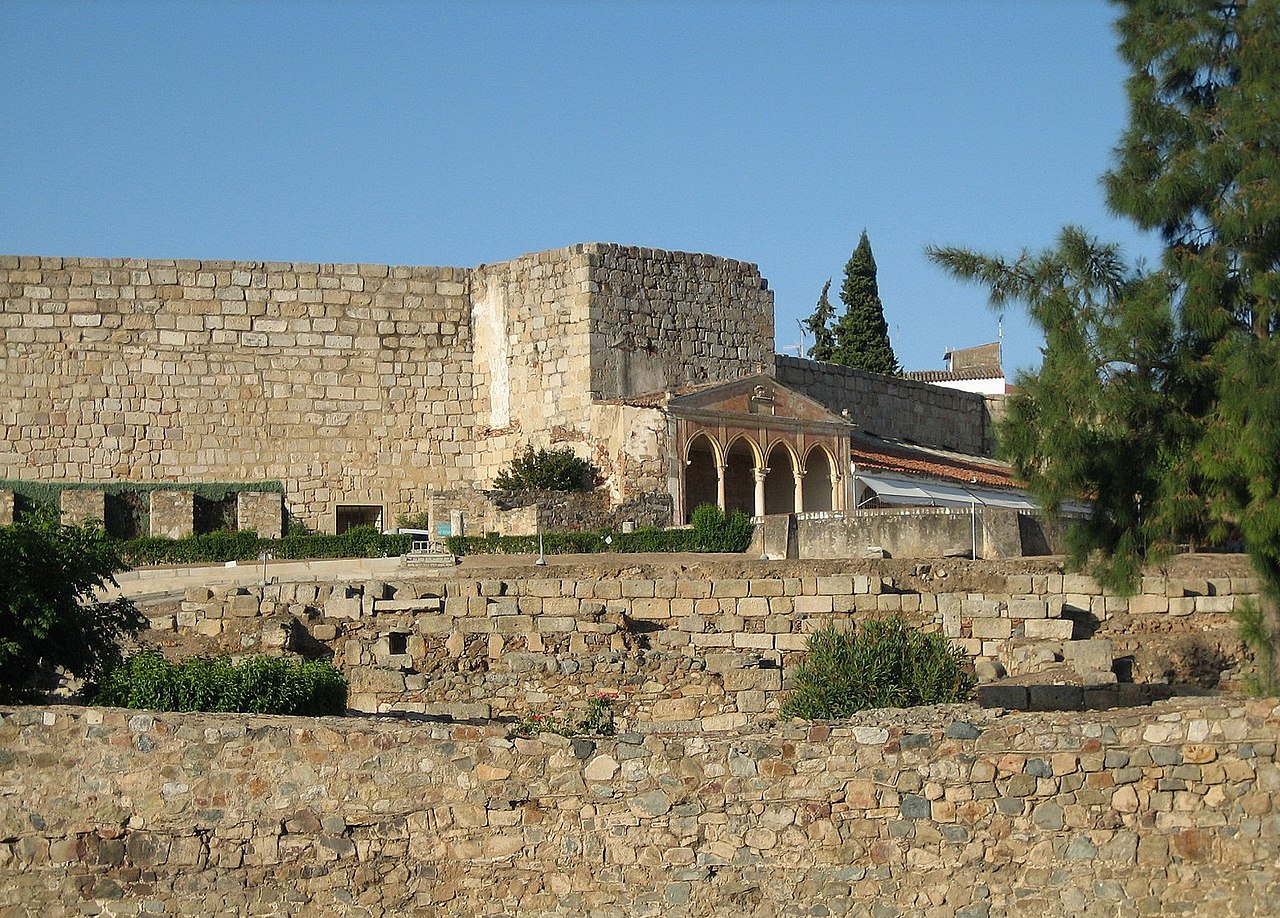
(883, 664)
(255, 685)
(597, 721)
(1251, 621)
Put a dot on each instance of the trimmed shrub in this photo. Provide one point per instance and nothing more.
(547, 470)
(256, 685)
(570, 543)
(883, 664)
(716, 531)
(213, 547)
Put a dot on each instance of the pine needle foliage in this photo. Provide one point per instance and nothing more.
(883, 664)
(1159, 397)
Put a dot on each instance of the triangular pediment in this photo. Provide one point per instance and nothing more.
(752, 395)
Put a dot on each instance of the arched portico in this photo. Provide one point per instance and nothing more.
(819, 481)
(740, 476)
(780, 481)
(703, 483)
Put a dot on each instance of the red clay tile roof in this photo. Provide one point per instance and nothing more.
(930, 376)
(885, 457)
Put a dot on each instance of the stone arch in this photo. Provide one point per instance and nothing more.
(819, 491)
(741, 460)
(780, 483)
(701, 474)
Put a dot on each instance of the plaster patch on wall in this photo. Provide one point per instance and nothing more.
(492, 349)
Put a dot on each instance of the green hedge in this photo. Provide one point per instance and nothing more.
(256, 685)
(712, 531)
(358, 542)
(575, 543)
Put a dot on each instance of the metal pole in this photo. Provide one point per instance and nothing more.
(542, 558)
(973, 529)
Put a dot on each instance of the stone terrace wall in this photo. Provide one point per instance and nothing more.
(893, 408)
(945, 811)
(352, 383)
(693, 654)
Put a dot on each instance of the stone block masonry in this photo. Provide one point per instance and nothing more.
(172, 513)
(687, 652)
(260, 511)
(900, 409)
(942, 811)
(78, 505)
(361, 385)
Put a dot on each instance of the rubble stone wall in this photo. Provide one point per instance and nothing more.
(925, 812)
(898, 409)
(694, 654)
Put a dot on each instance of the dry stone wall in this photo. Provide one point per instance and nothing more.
(944, 811)
(697, 653)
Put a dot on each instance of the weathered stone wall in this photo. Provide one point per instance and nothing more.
(80, 504)
(6, 507)
(696, 653)
(261, 512)
(945, 811)
(172, 513)
(663, 320)
(532, 355)
(925, 532)
(523, 512)
(900, 409)
(361, 384)
(352, 383)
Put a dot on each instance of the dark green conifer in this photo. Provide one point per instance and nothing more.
(861, 334)
(819, 325)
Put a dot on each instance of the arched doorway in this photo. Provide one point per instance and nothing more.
(701, 476)
(780, 483)
(739, 477)
(819, 494)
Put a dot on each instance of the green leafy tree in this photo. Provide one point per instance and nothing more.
(49, 615)
(819, 325)
(861, 333)
(547, 470)
(1188, 371)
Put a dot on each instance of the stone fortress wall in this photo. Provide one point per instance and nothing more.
(368, 384)
(943, 811)
(898, 409)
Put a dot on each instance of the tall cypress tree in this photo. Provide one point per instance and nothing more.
(819, 325)
(861, 333)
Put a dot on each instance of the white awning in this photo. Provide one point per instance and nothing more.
(890, 489)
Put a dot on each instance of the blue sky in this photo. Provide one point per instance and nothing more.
(461, 133)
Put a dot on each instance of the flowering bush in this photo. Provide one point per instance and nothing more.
(597, 721)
